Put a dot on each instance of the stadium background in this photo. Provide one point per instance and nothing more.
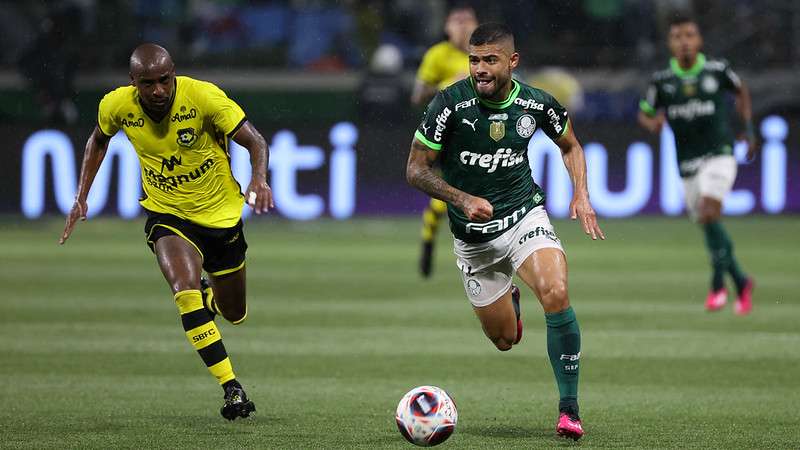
(344, 240)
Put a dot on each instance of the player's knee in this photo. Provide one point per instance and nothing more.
(234, 314)
(503, 343)
(555, 298)
(236, 317)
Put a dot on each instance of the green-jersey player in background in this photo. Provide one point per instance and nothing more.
(478, 129)
(691, 96)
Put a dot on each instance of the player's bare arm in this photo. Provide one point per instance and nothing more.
(579, 207)
(420, 174)
(745, 110)
(248, 137)
(652, 124)
(96, 148)
(422, 93)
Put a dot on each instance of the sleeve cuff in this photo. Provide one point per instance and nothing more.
(99, 127)
(236, 128)
(421, 137)
(566, 128)
(647, 108)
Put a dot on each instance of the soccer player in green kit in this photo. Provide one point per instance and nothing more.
(691, 94)
(478, 129)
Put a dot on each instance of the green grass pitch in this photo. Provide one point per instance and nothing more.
(341, 326)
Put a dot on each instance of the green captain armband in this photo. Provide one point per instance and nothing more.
(421, 137)
(646, 108)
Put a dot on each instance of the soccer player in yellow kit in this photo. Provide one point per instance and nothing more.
(180, 128)
(442, 65)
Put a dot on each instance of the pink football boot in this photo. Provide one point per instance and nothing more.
(569, 427)
(744, 302)
(716, 299)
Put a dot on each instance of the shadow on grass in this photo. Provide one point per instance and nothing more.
(545, 436)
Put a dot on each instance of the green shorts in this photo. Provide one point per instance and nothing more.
(222, 249)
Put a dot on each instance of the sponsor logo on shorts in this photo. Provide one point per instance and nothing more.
(233, 239)
(537, 232)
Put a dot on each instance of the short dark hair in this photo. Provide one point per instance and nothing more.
(491, 32)
(461, 6)
(680, 18)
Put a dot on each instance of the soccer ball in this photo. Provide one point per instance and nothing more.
(426, 416)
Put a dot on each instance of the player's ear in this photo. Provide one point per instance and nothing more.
(514, 60)
(133, 83)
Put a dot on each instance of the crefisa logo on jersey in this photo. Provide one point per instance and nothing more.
(526, 125)
(187, 137)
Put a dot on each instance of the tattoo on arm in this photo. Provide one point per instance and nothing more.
(421, 175)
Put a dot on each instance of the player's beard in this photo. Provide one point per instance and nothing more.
(490, 91)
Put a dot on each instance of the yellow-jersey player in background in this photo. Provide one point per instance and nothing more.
(180, 128)
(442, 65)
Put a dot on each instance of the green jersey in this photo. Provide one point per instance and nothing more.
(696, 109)
(484, 150)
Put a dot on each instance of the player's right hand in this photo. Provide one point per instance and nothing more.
(78, 211)
(477, 209)
(657, 123)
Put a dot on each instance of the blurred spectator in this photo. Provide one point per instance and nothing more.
(382, 94)
(50, 64)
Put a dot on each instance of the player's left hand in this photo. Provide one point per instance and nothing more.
(259, 196)
(752, 146)
(78, 212)
(580, 208)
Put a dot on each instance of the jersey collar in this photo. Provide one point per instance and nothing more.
(698, 65)
(498, 105)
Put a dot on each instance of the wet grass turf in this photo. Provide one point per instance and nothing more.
(340, 326)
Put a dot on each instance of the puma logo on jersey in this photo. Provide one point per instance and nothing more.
(471, 124)
(425, 128)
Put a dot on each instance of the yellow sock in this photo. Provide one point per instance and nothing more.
(431, 219)
(204, 335)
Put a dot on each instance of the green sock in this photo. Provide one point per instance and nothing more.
(720, 247)
(717, 243)
(564, 349)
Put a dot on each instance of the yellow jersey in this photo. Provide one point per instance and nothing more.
(443, 64)
(184, 158)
